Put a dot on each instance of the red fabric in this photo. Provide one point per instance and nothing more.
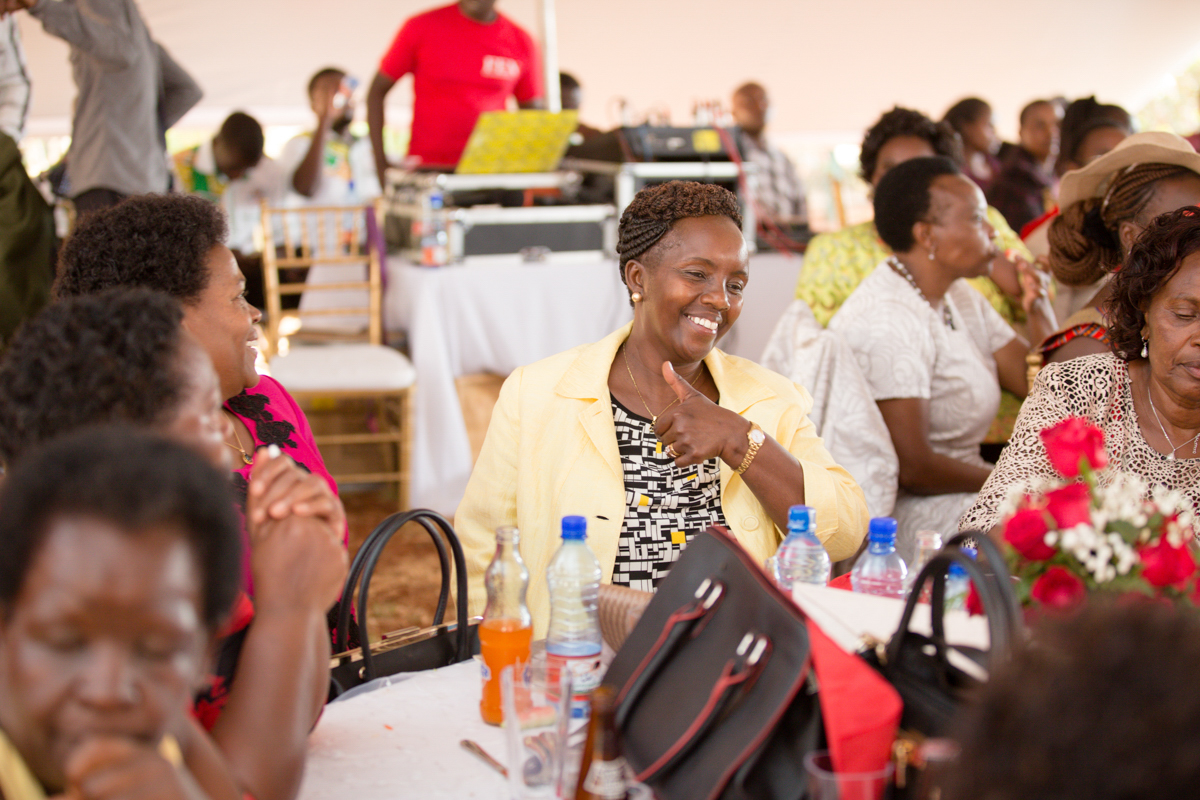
(841, 582)
(460, 69)
(1044, 219)
(1089, 330)
(860, 709)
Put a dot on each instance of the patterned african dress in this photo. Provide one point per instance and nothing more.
(1087, 323)
(665, 505)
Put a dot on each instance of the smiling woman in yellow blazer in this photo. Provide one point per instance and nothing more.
(652, 433)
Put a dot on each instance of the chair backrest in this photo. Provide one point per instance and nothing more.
(844, 411)
(344, 281)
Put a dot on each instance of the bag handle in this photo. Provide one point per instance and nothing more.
(737, 676)
(996, 576)
(681, 622)
(368, 556)
(377, 539)
(1000, 623)
(997, 571)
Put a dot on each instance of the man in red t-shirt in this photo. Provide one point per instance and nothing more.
(465, 59)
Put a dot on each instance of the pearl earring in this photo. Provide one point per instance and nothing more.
(932, 254)
(1145, 348)
(636, 297)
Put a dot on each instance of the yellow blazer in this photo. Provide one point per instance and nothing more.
(551, 450)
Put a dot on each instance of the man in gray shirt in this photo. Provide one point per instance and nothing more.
(130, 91)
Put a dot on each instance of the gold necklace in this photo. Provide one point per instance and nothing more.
(247, 459)
(653, 417)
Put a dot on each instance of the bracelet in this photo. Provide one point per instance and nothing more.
(756, 438)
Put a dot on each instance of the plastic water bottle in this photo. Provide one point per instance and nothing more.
(434, 238)
(802, 557)
(573, 640)
(929, 543)
(880, 571)
(958, 584)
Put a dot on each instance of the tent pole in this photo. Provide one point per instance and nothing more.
(550, 55)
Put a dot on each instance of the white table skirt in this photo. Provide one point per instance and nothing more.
(499, 316)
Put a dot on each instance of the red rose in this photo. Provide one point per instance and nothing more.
(1166, 565)
(1058, 589)
(1026, 532)
(974, 604)
(1072, 441)
(1070, 505)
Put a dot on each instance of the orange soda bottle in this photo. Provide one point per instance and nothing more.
(507, 628)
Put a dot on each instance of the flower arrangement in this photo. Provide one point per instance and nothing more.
(1078, 536)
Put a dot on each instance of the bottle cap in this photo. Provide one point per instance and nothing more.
(574, 528)
(882, 529)
(802, 518)
(956, 571)
(972, 552)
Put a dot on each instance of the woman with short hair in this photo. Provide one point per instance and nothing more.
(125, 356)
(652, 433)
(835, 263)
(933, 351)
(1144, 394)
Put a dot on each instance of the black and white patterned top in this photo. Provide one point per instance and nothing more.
(665, 505)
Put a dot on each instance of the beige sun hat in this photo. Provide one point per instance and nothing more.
(1152, 147)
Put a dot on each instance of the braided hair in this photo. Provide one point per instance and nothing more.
(1084, 243)
(655, 209)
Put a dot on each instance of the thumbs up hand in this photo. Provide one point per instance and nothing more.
(696, 429)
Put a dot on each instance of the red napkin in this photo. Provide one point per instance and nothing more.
(841, 582)
(861, 710)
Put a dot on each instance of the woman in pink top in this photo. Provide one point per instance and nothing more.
(174, 244)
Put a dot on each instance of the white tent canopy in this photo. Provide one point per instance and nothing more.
(831, 65)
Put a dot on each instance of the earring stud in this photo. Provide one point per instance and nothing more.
(636, 297)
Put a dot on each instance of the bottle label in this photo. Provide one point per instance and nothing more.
(606, 779)
(585, 676)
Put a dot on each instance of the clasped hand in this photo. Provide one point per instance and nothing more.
(296, 525)
(111, 767)
(697, 429)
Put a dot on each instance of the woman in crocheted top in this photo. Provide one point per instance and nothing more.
(1144, 394)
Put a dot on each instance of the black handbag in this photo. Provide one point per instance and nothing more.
(439, 645)
(919, 666)
(716, 697)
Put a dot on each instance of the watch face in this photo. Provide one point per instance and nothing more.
(757, 436)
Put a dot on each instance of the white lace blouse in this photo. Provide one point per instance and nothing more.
(1096, 387)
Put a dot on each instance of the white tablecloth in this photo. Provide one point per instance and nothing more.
(402, 741)
(499, 316)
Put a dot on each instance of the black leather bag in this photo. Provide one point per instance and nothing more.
(919, 666)
(428, 648)
(715, 694)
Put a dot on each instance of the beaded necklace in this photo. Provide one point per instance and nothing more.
(903, 272)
